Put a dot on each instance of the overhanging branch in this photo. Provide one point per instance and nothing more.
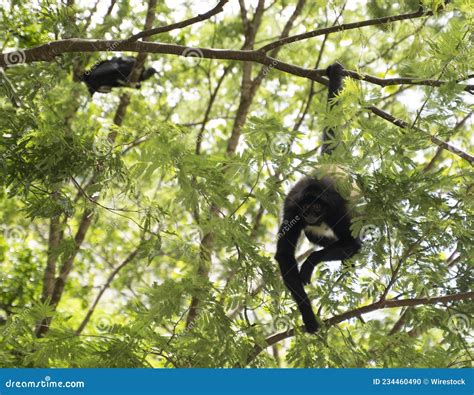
(345, 26)
(47, 52)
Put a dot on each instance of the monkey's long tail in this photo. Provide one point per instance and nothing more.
(335, 73)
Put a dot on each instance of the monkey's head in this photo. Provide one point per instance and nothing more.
(313, 209)
(335, 69)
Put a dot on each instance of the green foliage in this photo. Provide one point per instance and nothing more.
(150, 223)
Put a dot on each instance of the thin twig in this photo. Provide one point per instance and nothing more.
(343, 27)
(179, 25)
(440, 143)
(107, 284)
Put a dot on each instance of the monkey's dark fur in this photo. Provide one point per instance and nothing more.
(113, 73)
(314, 207)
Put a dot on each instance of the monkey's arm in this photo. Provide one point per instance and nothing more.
(285, 255)
(338, 251)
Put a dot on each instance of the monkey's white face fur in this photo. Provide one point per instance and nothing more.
(322, 230)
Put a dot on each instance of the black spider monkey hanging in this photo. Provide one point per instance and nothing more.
(314, 207)
(113, 73)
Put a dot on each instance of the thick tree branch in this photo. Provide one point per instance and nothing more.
(47, 52)
(66, 268)
(249, 89)
(387, 304)
(50, 270)
(88, 215)
(243, 13)
(249, 86)
(207, 242)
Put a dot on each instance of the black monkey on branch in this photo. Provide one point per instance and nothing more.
(315, 207)
(113, 73)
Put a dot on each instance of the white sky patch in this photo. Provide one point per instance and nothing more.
(215, 123)
(353, 5)
(345, 42)
(413, 99)
(174, 96)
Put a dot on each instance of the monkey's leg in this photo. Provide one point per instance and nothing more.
(285, 256)
(338, 251)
